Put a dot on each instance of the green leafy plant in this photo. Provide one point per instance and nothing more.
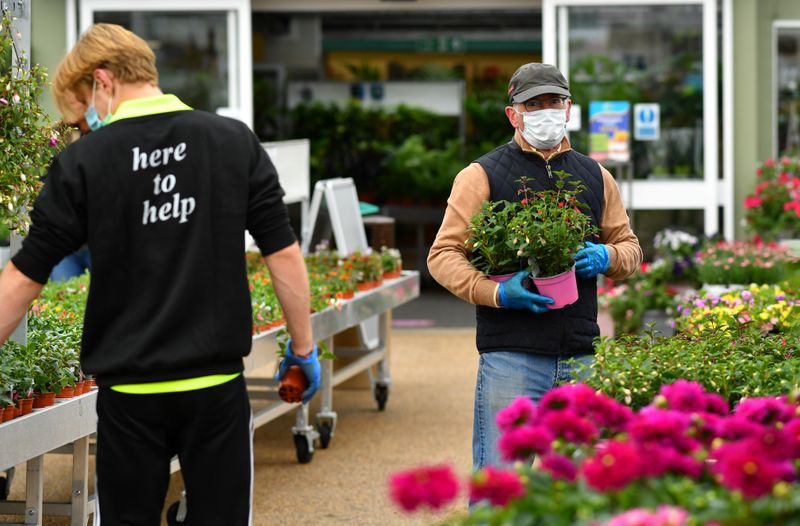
(549, 227)
(490, 239)
(772, 211)
(391, 259)
(28, 139)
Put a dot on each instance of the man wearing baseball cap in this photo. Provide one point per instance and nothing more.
(523, 346)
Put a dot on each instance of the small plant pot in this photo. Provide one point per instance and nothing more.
(346, 295)
(7, 413)
(499, 278)
(90, 383)
(80, 388)
(563, 288)
(367, 285)
(292, 385)
(44, 400)
(66, 392)
(394, 274)
(25, 406)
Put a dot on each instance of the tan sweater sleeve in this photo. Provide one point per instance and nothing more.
(624, 251)
(448, 259)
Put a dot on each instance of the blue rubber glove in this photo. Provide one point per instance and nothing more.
(591, 260)
(514, 295)
(309, 365)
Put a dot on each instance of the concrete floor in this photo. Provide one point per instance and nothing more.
(428, 420)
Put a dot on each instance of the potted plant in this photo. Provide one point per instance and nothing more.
(490, 241)
(367, 269)
(392, 262)
(548, 228)
(725, 265)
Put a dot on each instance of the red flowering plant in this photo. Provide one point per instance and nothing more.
(549, 226)
(683, 459)
(772, 211)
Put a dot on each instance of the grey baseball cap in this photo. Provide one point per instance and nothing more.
(535, 79)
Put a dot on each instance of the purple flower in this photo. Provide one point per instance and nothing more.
(3, 101)
(614, 465)
(560, 467)
(433, 486)
(53, 140)
(746, 295)
(519, 412)
(520, 443)
(498, 486)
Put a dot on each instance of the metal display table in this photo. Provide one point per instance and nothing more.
(67, 426)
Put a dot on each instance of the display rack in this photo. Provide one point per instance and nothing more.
(67, 426)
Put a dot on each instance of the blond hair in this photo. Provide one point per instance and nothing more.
(107, 46)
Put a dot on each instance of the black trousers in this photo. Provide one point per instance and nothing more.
(211, 432)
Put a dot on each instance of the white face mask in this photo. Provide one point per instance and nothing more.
(544, 129)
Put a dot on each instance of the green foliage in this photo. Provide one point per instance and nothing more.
(736, 364)
(28, 139)
(490, 239)
(414, 168)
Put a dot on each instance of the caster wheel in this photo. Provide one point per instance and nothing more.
(172, 515)
(304, 454)
(381, 396)
(4, 488)
(325, 433)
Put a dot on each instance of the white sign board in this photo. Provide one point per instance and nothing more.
(291, 160)
(647, 122)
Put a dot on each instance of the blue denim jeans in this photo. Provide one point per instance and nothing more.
(503, 376)
(71, 266)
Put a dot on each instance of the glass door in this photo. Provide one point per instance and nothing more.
(203, 49)
(657, 61)
(787, 87)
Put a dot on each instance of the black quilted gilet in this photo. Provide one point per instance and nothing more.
(566, 331)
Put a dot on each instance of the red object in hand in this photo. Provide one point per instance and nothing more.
(292, 385)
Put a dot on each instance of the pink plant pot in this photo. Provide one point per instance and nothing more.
(499, 278)
(563, 288)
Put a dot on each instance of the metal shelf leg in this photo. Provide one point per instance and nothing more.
(34, 491)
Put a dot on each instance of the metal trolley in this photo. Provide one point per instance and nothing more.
(68, 426)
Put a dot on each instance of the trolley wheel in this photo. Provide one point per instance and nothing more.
(304, 454)
(381, 396)
(4, 488)
(172, 515)
(325, 432)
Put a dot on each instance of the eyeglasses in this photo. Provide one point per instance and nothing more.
(554, 103)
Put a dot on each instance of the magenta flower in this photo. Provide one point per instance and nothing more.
(666, 428)
(520, 443)
(717, 404)
(3, 101)
(767, 410)
(737, 427)
(571, 427)
(610, 414)
(793, 432)
(614, 465)
(498, 486)
(685, 396)
(577, 397)
(743, 467)
(433, 486)
(53, 140)
(560, 467)
(519, 412)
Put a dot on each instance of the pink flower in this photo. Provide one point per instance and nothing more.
(577, 397)
(498, 486)
(15, 98)
(610, 414)
(53, 140)
(767, 410)
(769, 163)
(717, 404)
(614, 465)
(433, 486)
(559, 467)
(3, 101)
(664, 516)
(519, 412)
(571, 427)
(685, 396)
(520, 443)
(666, 428)
(752, 202)
(745, 468)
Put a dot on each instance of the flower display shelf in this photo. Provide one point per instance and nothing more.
(67, 426)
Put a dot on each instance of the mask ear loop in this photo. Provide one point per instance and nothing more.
(110, 98)
(94, 90)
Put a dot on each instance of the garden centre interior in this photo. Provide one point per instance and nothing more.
(368, 109)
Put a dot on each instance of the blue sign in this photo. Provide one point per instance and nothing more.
(647, 122)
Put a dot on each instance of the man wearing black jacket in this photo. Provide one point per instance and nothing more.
(162, 195)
